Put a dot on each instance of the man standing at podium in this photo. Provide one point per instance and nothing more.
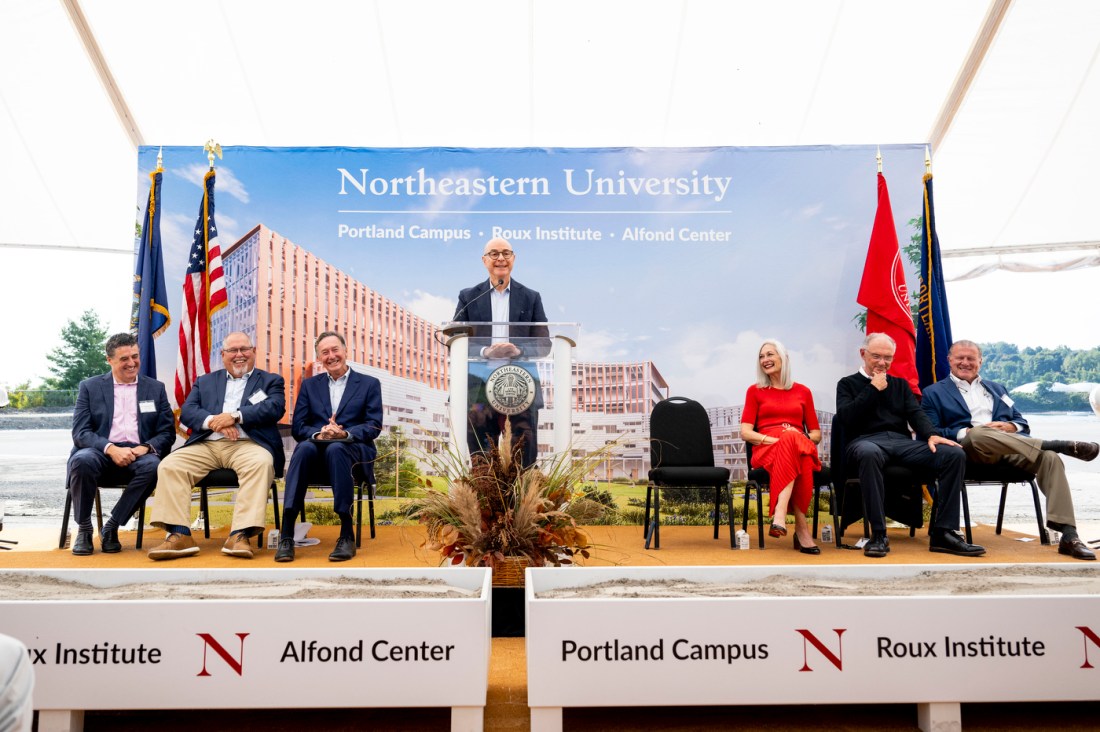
(498, 389)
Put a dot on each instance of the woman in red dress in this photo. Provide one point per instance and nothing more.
(780, 422)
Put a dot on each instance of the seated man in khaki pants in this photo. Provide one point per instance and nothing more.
(233, 414)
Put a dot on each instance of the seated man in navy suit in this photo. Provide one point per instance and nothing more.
(122, 424)
(337, 417)
(502, 299)
(981, 416)
(233, 414)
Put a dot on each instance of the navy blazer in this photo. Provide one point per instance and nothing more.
(95, 409)
(524, 306)
(260, 419)
(360, 411)
(945, 406)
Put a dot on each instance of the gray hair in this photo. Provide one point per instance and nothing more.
(965, 344)
(785, 380)
(329, 334)
(875, 336)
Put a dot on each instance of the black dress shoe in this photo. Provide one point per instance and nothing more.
(1084, 450)
(1075, 548)
(285, 552)
(109, 541)
(805, 549)
(82, 544)
(776, 531)
(1081, 450)
(949, 542)
(345, 549)
(876, 547)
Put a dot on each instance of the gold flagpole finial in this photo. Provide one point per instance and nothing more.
(927, 161)
(878, 157)
(212, 148)
(160, 161)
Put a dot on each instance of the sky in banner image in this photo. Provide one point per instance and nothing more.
(742, 244)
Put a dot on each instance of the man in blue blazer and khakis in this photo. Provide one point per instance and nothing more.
(233, 414)
(337, 417)
(502, 299)
(122, 424)
(981, 416)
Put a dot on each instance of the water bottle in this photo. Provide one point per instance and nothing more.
(827, 534)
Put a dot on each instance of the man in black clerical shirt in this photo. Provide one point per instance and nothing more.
(876, 412)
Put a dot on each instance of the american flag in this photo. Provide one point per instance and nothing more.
(203, 295)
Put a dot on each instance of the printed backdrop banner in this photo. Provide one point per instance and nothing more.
(684, 257)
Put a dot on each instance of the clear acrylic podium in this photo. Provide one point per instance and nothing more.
(543, 350)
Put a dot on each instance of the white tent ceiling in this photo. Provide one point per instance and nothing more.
(1011, 87)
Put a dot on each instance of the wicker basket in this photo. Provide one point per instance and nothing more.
(510, 572)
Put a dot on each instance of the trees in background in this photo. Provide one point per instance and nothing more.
(80, 354)
(1013, 366)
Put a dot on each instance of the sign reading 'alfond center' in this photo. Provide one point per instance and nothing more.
(226, 653)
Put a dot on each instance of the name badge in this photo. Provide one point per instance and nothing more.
(147, 407)
(257, 397)
(1007, 400)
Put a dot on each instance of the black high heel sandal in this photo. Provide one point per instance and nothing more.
(805, 549)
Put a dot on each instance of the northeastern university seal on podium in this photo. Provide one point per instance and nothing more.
(510, 389)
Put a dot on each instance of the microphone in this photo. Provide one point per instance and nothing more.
(465, 309)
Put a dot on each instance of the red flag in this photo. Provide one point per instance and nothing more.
(884, 293)
(203, 295)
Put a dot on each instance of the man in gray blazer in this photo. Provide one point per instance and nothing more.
(122, 425)
(233, 414)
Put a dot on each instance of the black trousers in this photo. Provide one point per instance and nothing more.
(89, 467)
(868, 454)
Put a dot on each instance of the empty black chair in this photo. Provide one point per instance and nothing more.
(99, 515)
(227, 478)
(682, 456)
(1003, 473)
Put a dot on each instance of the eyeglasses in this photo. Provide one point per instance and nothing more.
(235, 351)
(494, 254)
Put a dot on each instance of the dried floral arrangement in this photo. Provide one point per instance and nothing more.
(496, 511)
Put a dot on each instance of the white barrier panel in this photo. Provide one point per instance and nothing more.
(925, 649)
(256, 653)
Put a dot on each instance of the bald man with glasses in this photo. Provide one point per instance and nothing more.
(501, 299)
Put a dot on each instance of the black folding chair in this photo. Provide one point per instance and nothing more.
(682, 456)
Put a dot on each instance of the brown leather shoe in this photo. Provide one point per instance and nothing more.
(1075, 548)
(238, 545)
(1084, 450)
(174, 547)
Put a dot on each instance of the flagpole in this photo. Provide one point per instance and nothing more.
(878, 158)
(927, 161)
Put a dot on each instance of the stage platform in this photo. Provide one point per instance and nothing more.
(507, 696)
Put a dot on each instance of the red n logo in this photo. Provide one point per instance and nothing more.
(837, 659)
(234, 663)
(1089, 636)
